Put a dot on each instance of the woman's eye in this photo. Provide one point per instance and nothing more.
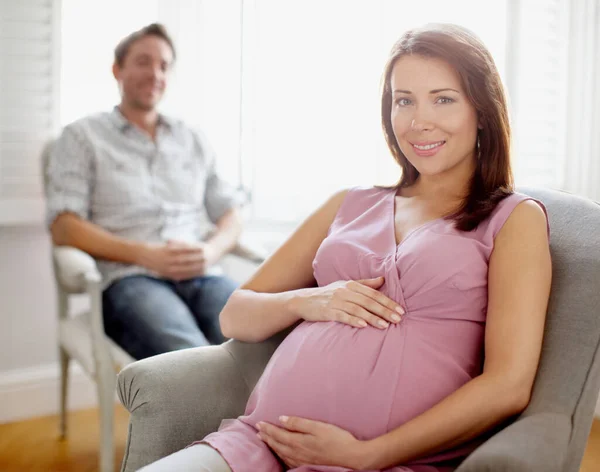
(403, 102)
(445, 100)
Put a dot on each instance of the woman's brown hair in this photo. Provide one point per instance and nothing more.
(492, 180)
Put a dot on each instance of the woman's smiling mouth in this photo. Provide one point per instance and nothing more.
(426, 149)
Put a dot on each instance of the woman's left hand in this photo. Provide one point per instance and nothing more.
(306, 442)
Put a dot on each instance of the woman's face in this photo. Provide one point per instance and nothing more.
(433, 121)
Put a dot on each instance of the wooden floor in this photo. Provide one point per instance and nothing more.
(33, 445)
(591, 459)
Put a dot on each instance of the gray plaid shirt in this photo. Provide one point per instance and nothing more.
(107, 171)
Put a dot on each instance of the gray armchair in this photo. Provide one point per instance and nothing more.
(177, 398)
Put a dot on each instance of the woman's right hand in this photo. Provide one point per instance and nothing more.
(353, 302)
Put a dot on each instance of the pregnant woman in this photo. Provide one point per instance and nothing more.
(420, 307)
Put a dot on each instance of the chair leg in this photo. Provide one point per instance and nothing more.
(64, 384)
(106, 398)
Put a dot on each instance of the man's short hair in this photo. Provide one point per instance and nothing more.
(155, 29)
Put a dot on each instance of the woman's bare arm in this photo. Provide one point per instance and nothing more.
(264, 305)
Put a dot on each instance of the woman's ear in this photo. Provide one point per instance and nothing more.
(479, 125)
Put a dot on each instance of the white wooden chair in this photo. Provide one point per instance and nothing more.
(81, 336)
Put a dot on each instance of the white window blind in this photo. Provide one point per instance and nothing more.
(538, 83)
(28, 103)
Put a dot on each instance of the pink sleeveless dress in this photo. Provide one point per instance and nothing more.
(366, 380)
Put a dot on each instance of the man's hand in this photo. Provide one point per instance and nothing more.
(177, 260)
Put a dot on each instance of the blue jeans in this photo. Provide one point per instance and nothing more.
(148, 316)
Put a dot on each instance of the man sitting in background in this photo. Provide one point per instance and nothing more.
(139, 192)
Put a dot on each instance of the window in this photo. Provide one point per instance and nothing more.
(205, 84)
(538, 87)
(311, 117)
(90, 32)
(288, 92)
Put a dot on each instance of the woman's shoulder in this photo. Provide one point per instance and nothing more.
(359, 201)
(359, 198)
(521, 209)
(367, 193)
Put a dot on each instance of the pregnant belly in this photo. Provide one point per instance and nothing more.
(333, 373)
(366, 381)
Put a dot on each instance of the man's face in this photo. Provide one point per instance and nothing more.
(143, 75)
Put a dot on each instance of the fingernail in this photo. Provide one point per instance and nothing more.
(400, 310)
(259, 436)
(283, 419)
(258, 426)
(362, 323)
(383, 324)
(395, 318)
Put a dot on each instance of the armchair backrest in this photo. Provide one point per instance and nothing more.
(568, 377)
(45, 161)
(253, 357)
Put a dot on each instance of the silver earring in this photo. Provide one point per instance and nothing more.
(478, 147)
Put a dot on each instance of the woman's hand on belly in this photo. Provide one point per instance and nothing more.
(300, 441)
(352, 302)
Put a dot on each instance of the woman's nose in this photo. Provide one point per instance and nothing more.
(421, 121)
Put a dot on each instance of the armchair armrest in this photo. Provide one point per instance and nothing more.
(536, 443)
(242, 261)
(181, 396)
(251, 252)
(178, 398)
(72, 266)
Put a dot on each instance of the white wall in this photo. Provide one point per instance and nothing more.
(28, 349)
(27, 299)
